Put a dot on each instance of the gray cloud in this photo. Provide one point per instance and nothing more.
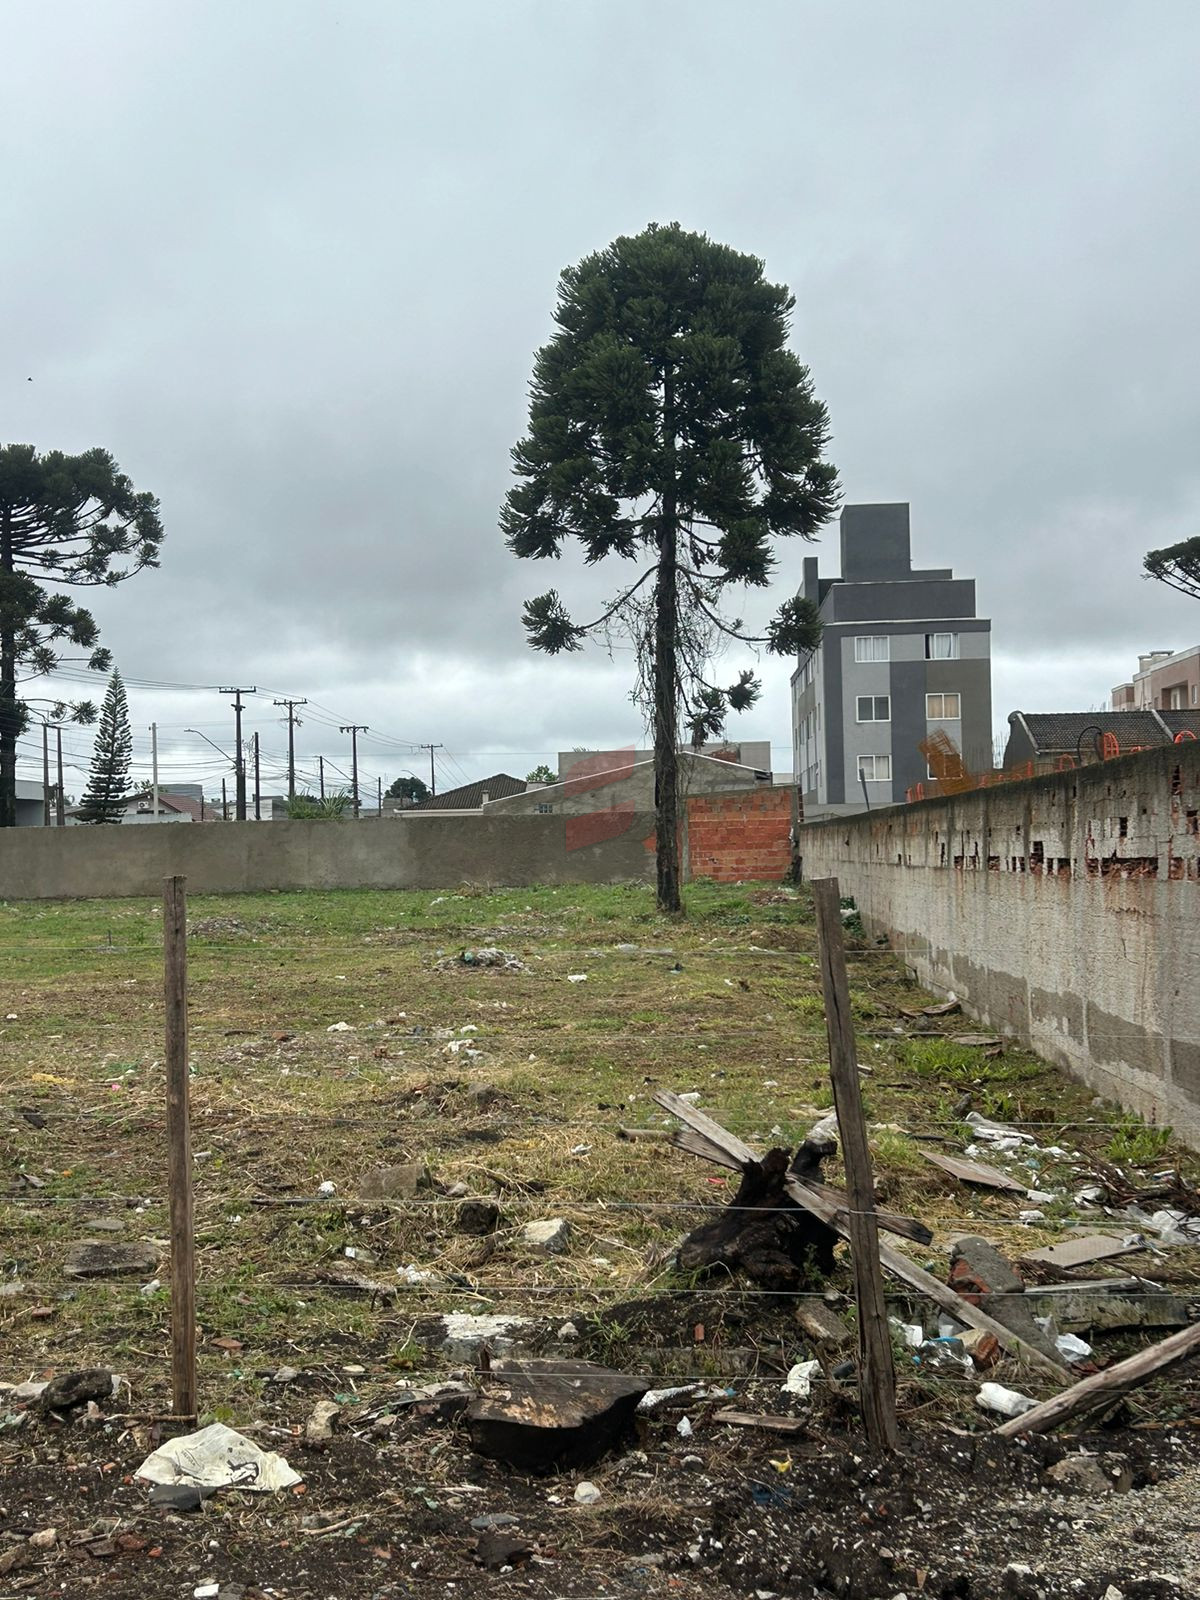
(290, 263)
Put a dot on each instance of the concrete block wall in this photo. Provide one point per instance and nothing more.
(745, 835)
(1063, 911)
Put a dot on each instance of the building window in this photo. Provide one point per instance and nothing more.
(874, 708)
(875, 769)
(943, 707)
(544, 810)
(941, 647)
(873, 647)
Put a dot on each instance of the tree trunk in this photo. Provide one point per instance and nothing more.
(9, 715)
(666, 677)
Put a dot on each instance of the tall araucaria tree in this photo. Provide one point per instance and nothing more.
(108, 782)
(670, 425)
(64, 520)
(1178, 565)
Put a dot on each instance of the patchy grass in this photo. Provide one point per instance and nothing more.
(511, 1083)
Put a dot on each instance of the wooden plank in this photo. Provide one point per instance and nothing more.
(877, 1374)
(754, 1419)
(905, 1227)
(697, 1145)
(974, 1172)
(712, 1131)
(1102, 1387)
(179, 1151)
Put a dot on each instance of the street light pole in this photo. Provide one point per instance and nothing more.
(354, 729)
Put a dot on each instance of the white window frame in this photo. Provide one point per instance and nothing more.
(872, 640)
(943, 715)
(931, 650)
(875, 775)
(873, 700)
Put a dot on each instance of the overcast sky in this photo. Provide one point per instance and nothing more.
(290, 261)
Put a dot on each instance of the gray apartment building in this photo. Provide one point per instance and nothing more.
(903, 656)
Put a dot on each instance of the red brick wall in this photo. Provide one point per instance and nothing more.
(741, 835)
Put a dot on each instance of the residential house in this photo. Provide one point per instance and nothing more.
(754, 753)
(903, 656)
(1045, 736)
(31, 804)
(610, 779)
(1166, 680)
(470, 796)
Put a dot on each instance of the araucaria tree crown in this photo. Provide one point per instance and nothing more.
(670, 425)
(64, 520)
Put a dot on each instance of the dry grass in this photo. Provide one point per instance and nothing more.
(725, 1003)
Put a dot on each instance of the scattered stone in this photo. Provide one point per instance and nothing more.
(983, 1348)
(30, 1390)
(101, 1258)
(179, 1496)
(498, 1551)
(1079, 1475)
(568, 1332)
(46, 1539)
(11, 1289)
(478, 1217)
(285, 1375)
(551, 1237)
(460, 1334)
(982, 1276)
(318, 1430)
(491, 1521)
(402, 1182)
(547, 1414)
(587, 1494)
(822, 1326)
(482, 1095)
(75, 1388)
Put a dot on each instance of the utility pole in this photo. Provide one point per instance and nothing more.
(321, 775)
(45, 774)
(293, 722)
(240, 763)
(354, 729)
(60, 803)
(257, 784)
(224, 803)
(379, 793)
(154, 762)
(432, 779)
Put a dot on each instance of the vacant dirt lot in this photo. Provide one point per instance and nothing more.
(335, 1034)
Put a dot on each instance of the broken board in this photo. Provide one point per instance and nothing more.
(974, 1172)
(1078, 1252)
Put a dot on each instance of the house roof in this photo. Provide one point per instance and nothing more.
(1059, 732)
(181, 803)
(1182, 722)
(469, 797)
(600, 779)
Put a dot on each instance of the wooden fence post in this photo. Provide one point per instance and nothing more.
(179, 1157)
(877, 1377)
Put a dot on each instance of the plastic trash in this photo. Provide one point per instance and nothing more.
(1007, 1402)
(799, 1379)
(1074, 1349)
(684, 1427)
(217, 1457)
(945, 1352)
(577, 977)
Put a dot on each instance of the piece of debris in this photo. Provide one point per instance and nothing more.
(983, 1348)
(995, 1132)
(1079, 1252)
(981, 1275)
(1007, 1402)
(551, 1237)
(1079, 1474)
(974, 1172)
(1103, 1387)
(486, 956)
(101, 1258)
(540, 1415)
(217, 1457)
(77, 1388)
(652, 1135)
(318, 1430)
(44, 1539)
(733, 1418)
(977, 1041)
(1107, 1304)
(1074, 1349)
(493, 1521)
(823, 1326)
(586, 1494)
(459, 1334)
(577, 977)
(327, 1187)
(500, 1552)
(179, 1496)
(800, 1377)
(401, 1182)
(946, 1009)
(340, 1027)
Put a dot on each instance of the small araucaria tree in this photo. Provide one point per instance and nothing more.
(670, 425)
(108, 782)
(64, 520)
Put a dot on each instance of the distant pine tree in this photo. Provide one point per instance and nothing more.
(108, 781)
